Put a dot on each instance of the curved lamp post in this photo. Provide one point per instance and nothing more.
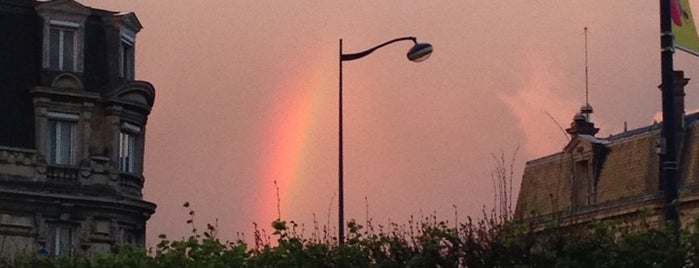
(419, 52)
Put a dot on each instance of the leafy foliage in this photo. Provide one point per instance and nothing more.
(427, 242)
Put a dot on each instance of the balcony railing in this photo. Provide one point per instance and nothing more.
(17, 156)
(62, 174)
(130, 184)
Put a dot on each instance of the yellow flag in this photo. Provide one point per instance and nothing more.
(683, 27)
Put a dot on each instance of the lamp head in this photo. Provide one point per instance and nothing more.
(420, 52)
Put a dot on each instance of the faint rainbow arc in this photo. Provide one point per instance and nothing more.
(288, 139)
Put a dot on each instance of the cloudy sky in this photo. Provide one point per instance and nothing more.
(247, 95)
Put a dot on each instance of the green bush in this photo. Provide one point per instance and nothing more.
(488, 242)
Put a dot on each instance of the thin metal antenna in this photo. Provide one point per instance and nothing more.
(587, 102)
(586, 110)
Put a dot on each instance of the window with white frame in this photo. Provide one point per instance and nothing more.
(63, 240)
(63, 45)
(126, 55)
(127, 147)
(61, 138)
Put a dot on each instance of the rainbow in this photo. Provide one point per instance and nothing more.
(295, 114)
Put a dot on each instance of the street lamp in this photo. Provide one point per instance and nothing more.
(419, 52)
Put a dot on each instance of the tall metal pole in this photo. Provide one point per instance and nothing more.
(668, 136)
(340, 166)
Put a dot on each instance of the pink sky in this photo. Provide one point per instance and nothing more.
(247, 94)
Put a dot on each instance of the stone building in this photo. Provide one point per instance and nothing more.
(616, 177)
(72, 127)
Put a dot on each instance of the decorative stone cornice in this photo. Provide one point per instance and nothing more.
(140, 94)
(68, 7)
(129, 21)
(40, 91)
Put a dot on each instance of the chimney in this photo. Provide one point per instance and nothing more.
(680, 81)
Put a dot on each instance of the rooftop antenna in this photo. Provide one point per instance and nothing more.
(586, 110)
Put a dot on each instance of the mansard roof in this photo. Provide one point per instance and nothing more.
(624, 166)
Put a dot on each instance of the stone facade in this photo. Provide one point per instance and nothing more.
(612, 178)
(72, 128)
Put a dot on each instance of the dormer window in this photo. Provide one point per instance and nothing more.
(587, 155)
(126, 55)
(63, 29)
(584, 188)
(128, 28)
(63, 46)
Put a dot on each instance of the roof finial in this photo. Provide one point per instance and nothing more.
(582, 122)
